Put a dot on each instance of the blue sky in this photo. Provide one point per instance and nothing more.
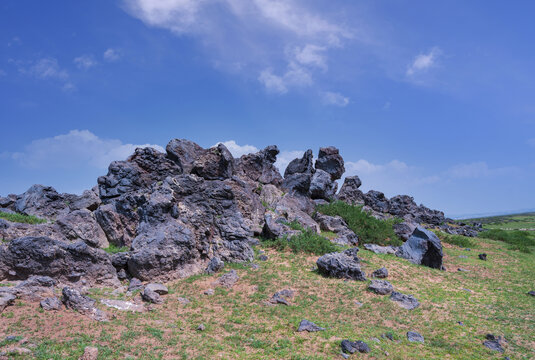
(435, 99)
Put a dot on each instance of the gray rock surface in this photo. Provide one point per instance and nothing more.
(51, 304)
(413, 336)
(215, 265)
(408, 302)
(73, 299)
(6, 299)
(309, 326)
(329, 160)
(81, 224)
(151, 296)
(349, 192)
(494, 343)
(351, 347)
(322, 186)
(228, 280)
(378, 249)
(345, 265)
(381, 287)
(423, 248)
(381, 273)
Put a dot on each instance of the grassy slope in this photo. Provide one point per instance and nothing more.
(19, 218)
(515, 221)
(240, 326)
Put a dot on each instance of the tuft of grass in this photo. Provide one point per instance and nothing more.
(458, 240)
(368, 228)
(114, 249)
(307, 241)
(19, 218)
(517, 240)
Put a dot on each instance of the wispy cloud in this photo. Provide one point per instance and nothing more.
(85, 62)
(336, 99)
(74, 149)
(46, 69)
(111, 55)
(477, 170)
(280, 43)
(238, 150)
(423, 62)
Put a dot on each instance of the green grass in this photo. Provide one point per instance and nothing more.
(19, 218)
(458, 240)
(113, 249)
(523, 241)
(308, 242)
(368, 228)
(509, 222)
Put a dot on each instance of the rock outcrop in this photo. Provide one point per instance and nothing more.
(423, 248)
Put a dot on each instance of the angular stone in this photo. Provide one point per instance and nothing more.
(184, 153)
(228, 280)
(309, 326)
(423, 248)
(381, 287)
(214, 265)
(380, 273)
(51, 303)
(151, 296)
(157, 288)
(349, 192)
(345, 265)
(408, 302)
(215, 163)
(73, 299)
(413, 336)
(329, 160)
(380, 249)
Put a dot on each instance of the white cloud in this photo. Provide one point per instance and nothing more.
(280, 43)
(478, 170)
(14, 41)
(46, 68)
(78, 148)
(85, 62)
(111, 55)
(336, 99)
(423, 62)
(238, 150)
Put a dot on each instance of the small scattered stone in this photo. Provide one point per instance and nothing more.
(408, 302)
(201, 327)
(309, 326)
(157, 288)
(358, 303)
(462, 270)
(52, 303)
(352, 347)
(183, 300)
(121, 274)
(463, 257)
(494, 343)
(374, 339)
(280, 297)
(6, 299)
(467, 290)
(209, 292)
(381, 287)
(388, 336)
(460, 323)
(151, 296)
(532, 293)
(467, 249)
(90, 353)
(215, 265)
(255, 266)
(413, 336)
(228, 280)
(135, 284)
(483, 256)
(263, 258)
(380, 273)
(344, 355)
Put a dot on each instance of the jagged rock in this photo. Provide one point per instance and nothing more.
(352, 347)
(7, 202)
(404, 230)
(89, 200)
(73, 299)
(494, 343)
(337, 225)
(35, 288)
(65, 262)
(135, 284)
(298, 208)
(297, 182)
(345, 265)
(140, 170)
(330, 161)
(227, 280)
(378, 249)
(482, 257)
(281, 297)
(377, 201)
(90, 353)
(249, 203)
(532, 293)
(120, 260)
(51, 304)
(270, 195)
(408, 302)
(41, 201)
(302, 165)
(309, 326)
(81, 224)
(215, 163)
(380, 273)
(349, 192)
(123, 305)
(184, 153)
(322, 186)
(214, 265)
(413, 336)
(157, 288)
(423, 247)
(259, 167)
(381, 287)
(6, 299)
(151, 296)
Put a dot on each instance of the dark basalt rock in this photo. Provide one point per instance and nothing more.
(214, 265)
(413, 336)
(377, 201)
(423, 248)
(309, 326)
(297, 182)
(345, 265)
(380, 273)
(321, 186)
(184, 153)
(66, 262)
(337, 225)
(494, 343)
(349, 192)
(215, 163)
(259, 167)
(408, 302)
(51, 303)
(41, 201)
(483, 257)
(81, 224)
(330, 161)
(73, 299)
(351, 347)
(303, 165)
(381, 287)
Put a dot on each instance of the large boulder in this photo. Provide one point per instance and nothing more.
(215, 163)
(377, 201)
(65, 262)
(184, 153)
(297, 182)
(404, 229)
(81, 224)
(345, 265)
(302, 165)
(423, 248)
(118, 226)
(349, 192)
(89, 200)
(322, 186)
(259, 167)
(329, 160)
